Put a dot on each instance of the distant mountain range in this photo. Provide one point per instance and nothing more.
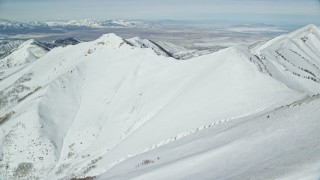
(14, 27)
(94, 23)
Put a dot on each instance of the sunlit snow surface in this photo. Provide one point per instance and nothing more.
(109, 109)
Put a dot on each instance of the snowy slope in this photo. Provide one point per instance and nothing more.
(280, 144)
(18, 54)
(294, 58)
(168, 49)
(27, 52)
(78, 122)
(109, 109)
(118, 125)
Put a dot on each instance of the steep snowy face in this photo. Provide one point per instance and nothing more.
(27, 52)
(79, 110)
(294, 58)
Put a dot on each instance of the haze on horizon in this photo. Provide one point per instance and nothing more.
(290, 12)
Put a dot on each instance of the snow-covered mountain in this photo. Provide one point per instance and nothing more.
(293, 58)
(168, 49)
(113, 109)
(27, 52)
(8, 47)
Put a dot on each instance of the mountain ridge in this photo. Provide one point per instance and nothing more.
(296, 56)
(91, 108)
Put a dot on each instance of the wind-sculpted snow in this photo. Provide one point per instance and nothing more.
(100, 107)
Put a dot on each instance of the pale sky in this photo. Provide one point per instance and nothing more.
(242, 11)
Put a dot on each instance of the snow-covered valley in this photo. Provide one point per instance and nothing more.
(117, 108)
